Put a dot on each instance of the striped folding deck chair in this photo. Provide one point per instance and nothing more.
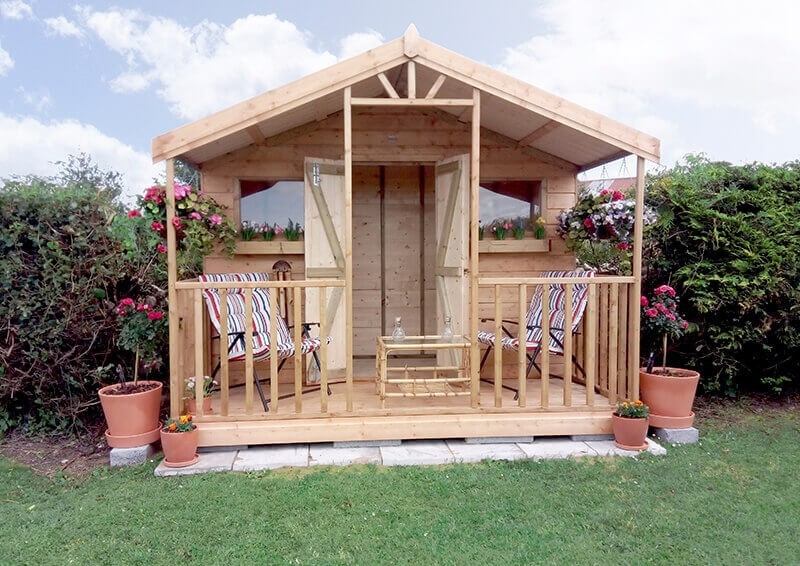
(533, 322)
(262, 349)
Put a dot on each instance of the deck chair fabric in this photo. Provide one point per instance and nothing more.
(261, 319)
(533, 320)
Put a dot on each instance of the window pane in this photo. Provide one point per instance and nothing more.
(272, 202)
(509, 200)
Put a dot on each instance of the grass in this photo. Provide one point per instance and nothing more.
(732, 499)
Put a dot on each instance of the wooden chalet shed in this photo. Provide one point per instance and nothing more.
(394, 161)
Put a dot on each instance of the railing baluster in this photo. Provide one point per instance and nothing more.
(602, 371)
(634, 305)
(323, 349)
(545, 345)
(591, 344)
(298, 350)
(248, 351)
(498, 347)
(522, 336)
(568, 292)
(224, 379)
(622, 344)
(274, 382)
(199, 359)
(613, 341)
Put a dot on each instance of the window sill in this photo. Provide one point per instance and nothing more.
(263, 247)
(526, 245)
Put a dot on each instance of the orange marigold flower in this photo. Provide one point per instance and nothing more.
(184, 419)
(173, 426)
(639, 403)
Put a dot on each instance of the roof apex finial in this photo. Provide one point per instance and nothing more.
(410, 38)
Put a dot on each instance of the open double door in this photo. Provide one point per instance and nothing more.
(425, 240)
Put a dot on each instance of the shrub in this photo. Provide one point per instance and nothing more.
(728, 241)
(68, 254)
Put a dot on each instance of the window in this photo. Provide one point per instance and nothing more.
(271, 202)
(510, 200)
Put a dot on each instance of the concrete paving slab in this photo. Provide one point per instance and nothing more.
(677, 435)
(464, 452)
(555, 448)
(329, 455)
(500, 440)
(131, 456)
(608, 448)
(366, 443)
(587, 437)
(271, 458)
(417, 453)
(209, 462)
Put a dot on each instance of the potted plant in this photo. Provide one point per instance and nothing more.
(630, 422)
(132, 408)
(191, 391)
(179, 442)
(669, 391)
(599, 230)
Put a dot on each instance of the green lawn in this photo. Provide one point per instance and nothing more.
(732, 499)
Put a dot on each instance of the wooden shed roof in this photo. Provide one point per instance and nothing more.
(518, 111)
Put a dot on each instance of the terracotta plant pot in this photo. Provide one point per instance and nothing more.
(629, 434)
(180, 448)
(670, 397)
(132, 419)
(191, 405)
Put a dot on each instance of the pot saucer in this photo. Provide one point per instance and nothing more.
(169, 464)
(631, 448)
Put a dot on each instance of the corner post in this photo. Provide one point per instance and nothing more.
(172, 295)
(348, 238)
(474, 185)
(636, 292)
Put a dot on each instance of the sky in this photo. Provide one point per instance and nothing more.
(718, 77)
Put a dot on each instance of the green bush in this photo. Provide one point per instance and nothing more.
(728, 239)
(67, 255)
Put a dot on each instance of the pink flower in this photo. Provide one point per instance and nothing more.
(142, 307)
(665, 289)
(604, 192)
(154, 194)
(685, 325)
(215, 219)
(645, 302)
(616, 195)
(176, 222)
(126, 302)
(157, 226)
(155, 315)
(134, 213)
(661, 308)
(195, 216)
(182, 191)
(161, 248)
(652, 313)
(623, 246)
(588, 223)
(279, 230)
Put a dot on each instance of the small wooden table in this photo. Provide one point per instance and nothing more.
(438, 381)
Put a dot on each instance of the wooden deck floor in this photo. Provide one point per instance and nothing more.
(367, 403)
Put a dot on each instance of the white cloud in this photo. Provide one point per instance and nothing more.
(198, 70)
(29, 146)
(40, 100)
(627, 58)
(63, 27)
(6, 62)
(358, 42)
(15, 10)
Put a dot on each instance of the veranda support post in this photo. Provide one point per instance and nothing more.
(172, 295)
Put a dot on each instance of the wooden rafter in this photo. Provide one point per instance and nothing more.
(255, 134)
(434, 90)
(604, 160)
(539, 132)
(387, 86)
(411, 71)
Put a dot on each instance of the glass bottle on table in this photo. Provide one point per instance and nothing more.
(398, 334)
(447, 332)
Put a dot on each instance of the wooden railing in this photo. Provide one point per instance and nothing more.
(200, 323)
(600, 346)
